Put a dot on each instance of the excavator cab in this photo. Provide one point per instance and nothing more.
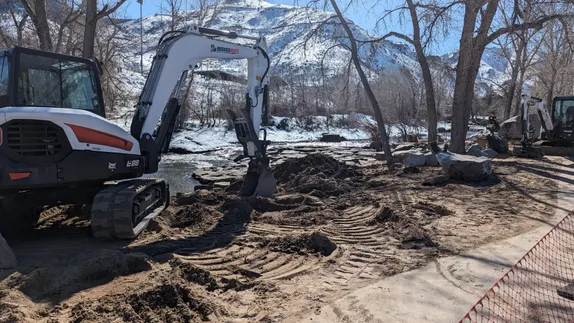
(30, 77)
(563, 118)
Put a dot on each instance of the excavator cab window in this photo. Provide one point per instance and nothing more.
(53, 82)
(4, 79)
(564, 113)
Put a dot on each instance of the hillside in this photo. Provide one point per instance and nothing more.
(297, 52)
(294, 47)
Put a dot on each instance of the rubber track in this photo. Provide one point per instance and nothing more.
(112, 210)
(123, 204)
(102, 210)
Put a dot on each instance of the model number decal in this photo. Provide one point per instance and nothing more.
(226, 50)
(133, 163)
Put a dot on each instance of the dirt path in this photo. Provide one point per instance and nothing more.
(336, 226)
(446, 289)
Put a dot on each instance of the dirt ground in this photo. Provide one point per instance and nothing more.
(333, 227)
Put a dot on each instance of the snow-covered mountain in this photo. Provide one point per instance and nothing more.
(295, 46)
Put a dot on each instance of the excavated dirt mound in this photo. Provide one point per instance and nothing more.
(414, 237)
(59, 281)
(294, 209)
(166, 302)
(318, 175)
(192, 215)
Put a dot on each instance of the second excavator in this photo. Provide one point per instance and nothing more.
(558, 136)
(57, 147)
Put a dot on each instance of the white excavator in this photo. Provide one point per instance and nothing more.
(558, 135)
(56, 147)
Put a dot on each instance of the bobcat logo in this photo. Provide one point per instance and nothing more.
(225, 50)
(112, 166)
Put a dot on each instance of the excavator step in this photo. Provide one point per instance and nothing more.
(123, 210)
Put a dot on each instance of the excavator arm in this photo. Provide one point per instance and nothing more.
(182, 51)
(539, 105)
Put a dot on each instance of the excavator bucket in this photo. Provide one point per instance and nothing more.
(259, 183)
(266, 185)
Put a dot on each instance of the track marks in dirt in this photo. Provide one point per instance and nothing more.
(353, 228)
(246, 262)
(364, 244)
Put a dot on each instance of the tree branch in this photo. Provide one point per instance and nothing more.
(388, 35)
(105, 11)
(538, 24)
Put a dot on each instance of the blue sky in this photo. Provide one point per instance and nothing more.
(363, 14)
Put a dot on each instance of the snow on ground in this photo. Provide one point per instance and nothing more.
(219, 137)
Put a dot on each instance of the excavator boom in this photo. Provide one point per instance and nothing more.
(182, 51)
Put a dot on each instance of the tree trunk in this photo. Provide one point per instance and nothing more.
(430, 100)
(470, 54)
(518, 96)
(466, 72)
(367, 87)
(43, 26)
(40, 21)
(549, 98)
(427, 78)
(90, 29)
(511, 90)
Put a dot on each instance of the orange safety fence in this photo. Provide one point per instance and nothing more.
(539, 287)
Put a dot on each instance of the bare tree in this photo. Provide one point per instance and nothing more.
(19, 24)
(92, 18)
(36, 9)
(475, 36)
(365, 82)
(424, 16)
(519, 49)
(555, 66)
(173, 9)
(69, 30)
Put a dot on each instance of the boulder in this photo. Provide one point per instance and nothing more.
(7, 257)
(475, 150)
(490, 153)
(512, 128)
(430, 160)
(465, 167)
(497, 143)
(415, 159)
(400, 156)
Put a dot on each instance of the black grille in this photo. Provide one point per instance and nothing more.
(34, 138)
